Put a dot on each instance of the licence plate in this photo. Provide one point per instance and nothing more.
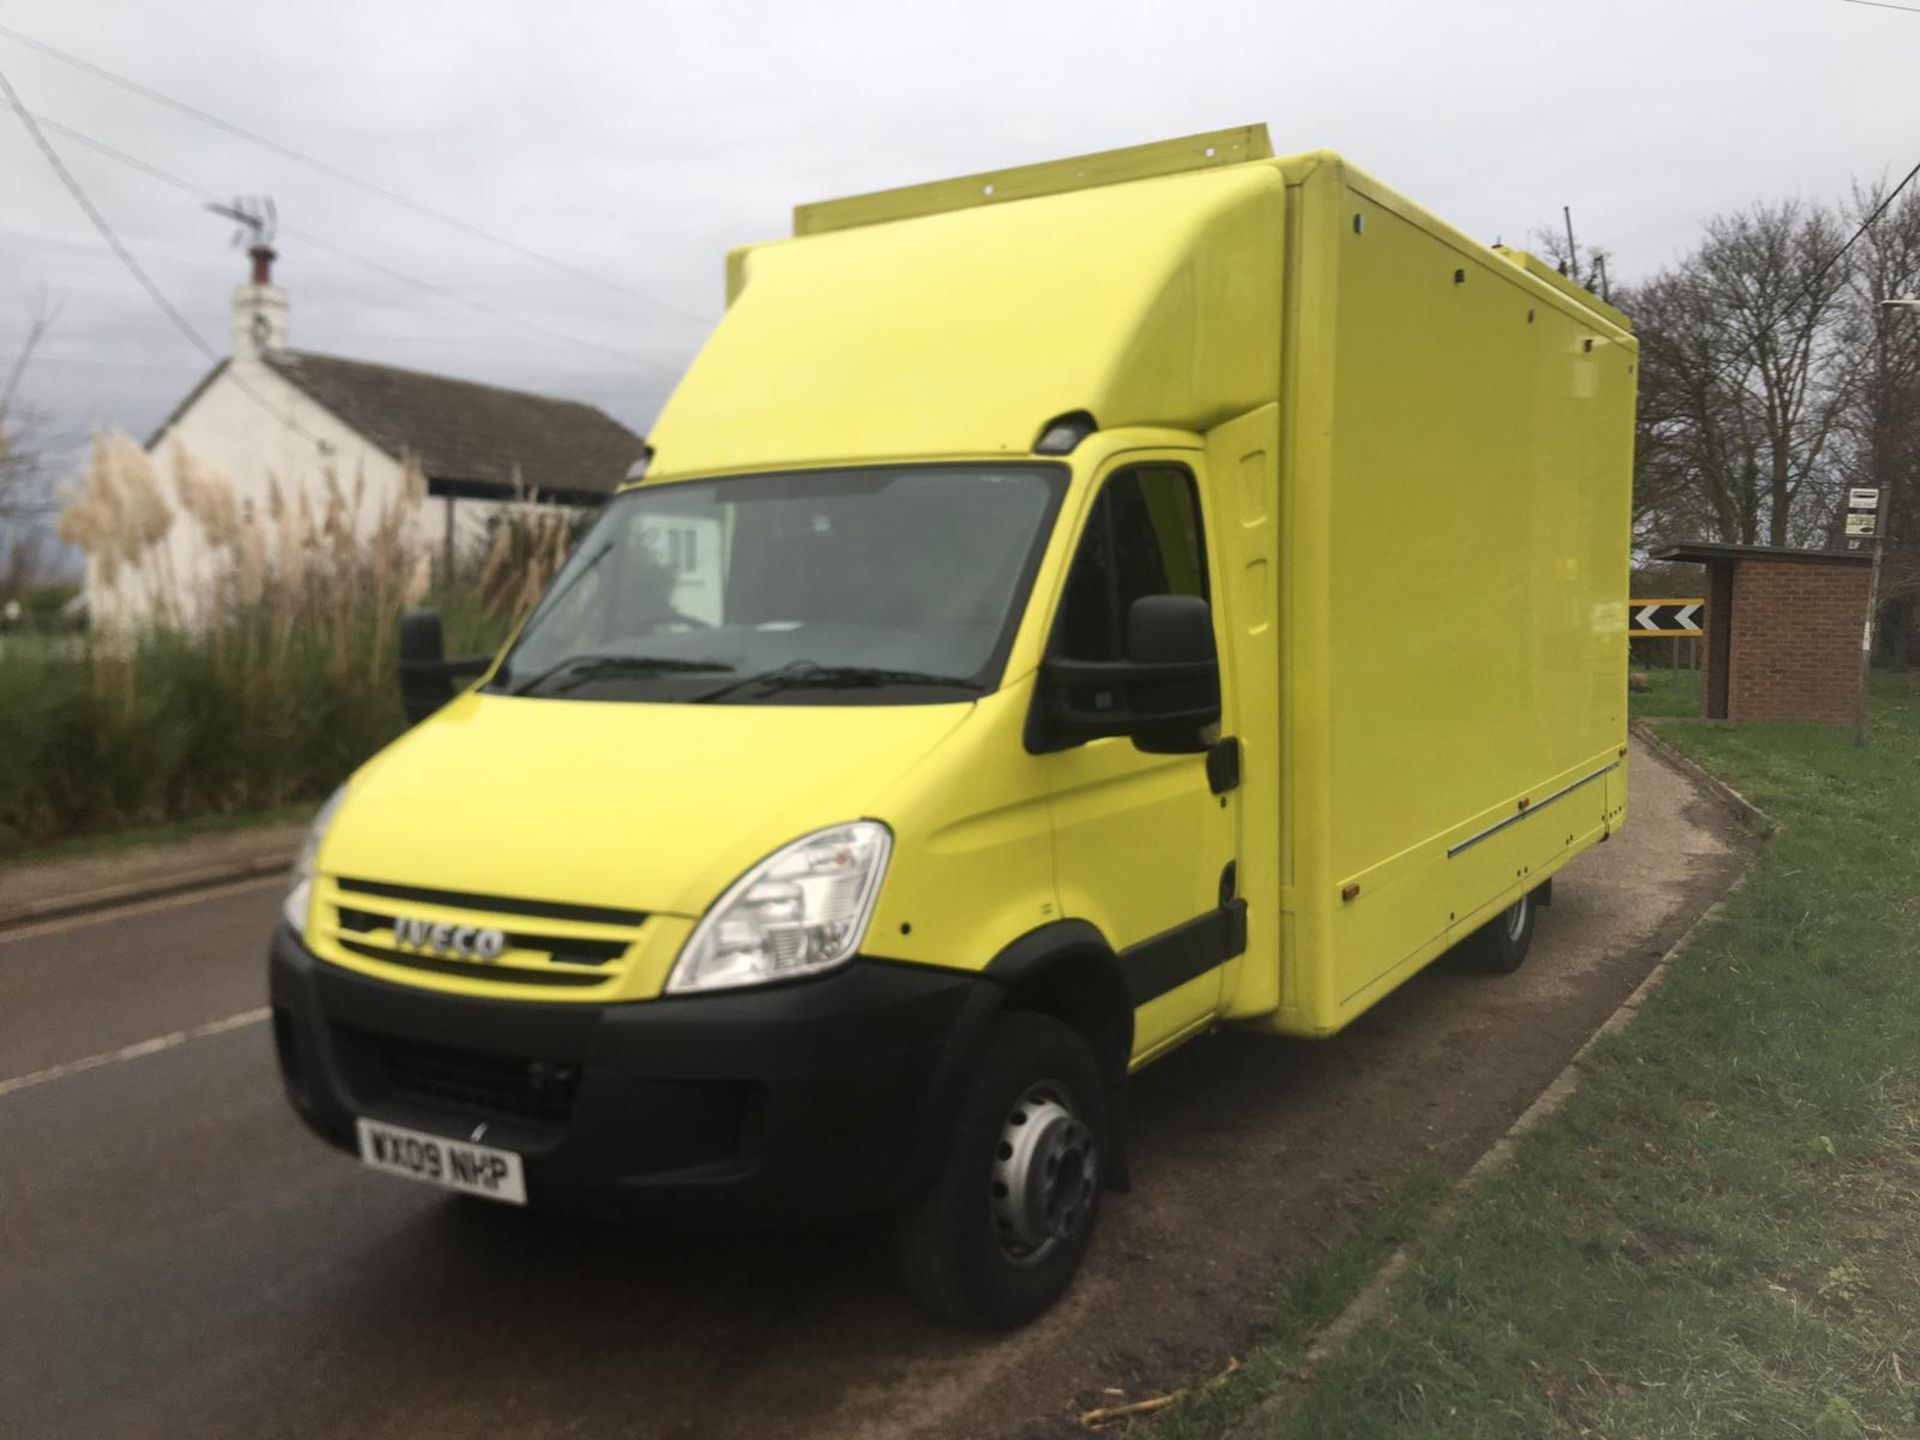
(453, 1164)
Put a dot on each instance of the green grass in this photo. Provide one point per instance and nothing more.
(177, 732)
(1719, 1234)
(213, 729)
(38, 644)
(133, 836)
(1669, 692)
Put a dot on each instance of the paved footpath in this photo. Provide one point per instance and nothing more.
(38, 889)
(178, 1257)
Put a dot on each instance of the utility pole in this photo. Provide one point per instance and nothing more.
(1866, 632)
(1883, 489)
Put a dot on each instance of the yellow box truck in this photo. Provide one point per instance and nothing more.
(1067, 609)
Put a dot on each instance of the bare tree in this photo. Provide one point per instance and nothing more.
(1585, 265)
(1776, 292)
(26, 487)
(1880, 433)
(1696, 459)
(22, 564)
(1746, 372)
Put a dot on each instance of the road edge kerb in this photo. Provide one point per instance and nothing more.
(1372, 1296)
(109, 897)
(1755, 819)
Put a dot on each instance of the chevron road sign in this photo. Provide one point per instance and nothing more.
(1664, 617)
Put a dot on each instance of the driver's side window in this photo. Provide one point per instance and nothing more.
(1143, 537)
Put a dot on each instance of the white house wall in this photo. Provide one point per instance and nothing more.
(228, 430)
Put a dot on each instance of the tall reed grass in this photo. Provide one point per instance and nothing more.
(257, 674)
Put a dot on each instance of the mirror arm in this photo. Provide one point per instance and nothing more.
(1097, 673)
(1170, 659)
(1095, 724)
(454, 667)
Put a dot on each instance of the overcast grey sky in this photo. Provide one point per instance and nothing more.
(639, 140)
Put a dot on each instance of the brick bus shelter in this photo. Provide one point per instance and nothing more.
(1783, 631)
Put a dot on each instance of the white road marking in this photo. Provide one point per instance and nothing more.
(33, 929)
(134, 1051)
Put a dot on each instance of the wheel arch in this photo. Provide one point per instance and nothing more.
(1067, 970)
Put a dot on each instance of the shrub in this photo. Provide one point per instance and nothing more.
(262, 682)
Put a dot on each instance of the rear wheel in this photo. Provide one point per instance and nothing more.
(1499, 947)
(1000, 1232)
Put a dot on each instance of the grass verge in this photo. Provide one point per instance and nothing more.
(1669, 693)
(190, 731)
(134, 836)
(1719, 1234)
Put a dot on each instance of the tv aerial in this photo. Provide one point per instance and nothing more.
(255, 216)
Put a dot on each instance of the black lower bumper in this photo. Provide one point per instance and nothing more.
(791, 1102)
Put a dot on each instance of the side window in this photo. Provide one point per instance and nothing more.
(1142, 538)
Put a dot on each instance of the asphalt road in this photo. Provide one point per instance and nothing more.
(178, 1256)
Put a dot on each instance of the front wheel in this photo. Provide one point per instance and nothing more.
(1499, 946)
(999, 1233)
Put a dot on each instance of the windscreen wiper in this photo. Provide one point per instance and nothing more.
(582, 668)
(805, 675)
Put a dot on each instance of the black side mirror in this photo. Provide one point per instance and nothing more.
(1164, 694)
(1173, 631)
(426, 674)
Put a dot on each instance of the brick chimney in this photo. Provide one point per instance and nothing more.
(259, 309)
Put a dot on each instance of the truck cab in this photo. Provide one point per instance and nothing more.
(940, 730)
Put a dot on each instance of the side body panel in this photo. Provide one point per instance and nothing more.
(1456, 493)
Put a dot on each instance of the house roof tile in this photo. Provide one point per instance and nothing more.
(468, 435)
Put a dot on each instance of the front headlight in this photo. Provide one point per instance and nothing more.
(801, 910)
(300, 896)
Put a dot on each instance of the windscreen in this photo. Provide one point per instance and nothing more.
(884, 585)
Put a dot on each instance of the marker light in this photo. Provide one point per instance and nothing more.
(1062, 433)
(802, 910)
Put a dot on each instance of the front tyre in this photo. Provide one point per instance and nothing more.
(999, 1233)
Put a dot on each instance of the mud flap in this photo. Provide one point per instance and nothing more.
(1119, 1171)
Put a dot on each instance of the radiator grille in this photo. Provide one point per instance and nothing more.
(550, 945)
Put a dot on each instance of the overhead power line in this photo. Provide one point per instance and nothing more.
(201, 192)
(92, 212)
(1884, 5)
(299, 157)
(107, 362)
(1724, 372)
(1865, 225)
(134, 268)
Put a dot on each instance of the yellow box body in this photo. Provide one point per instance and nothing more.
(1414, 457)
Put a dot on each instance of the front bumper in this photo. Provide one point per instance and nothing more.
(789, 1102)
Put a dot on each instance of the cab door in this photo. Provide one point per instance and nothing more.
(1144, 846)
